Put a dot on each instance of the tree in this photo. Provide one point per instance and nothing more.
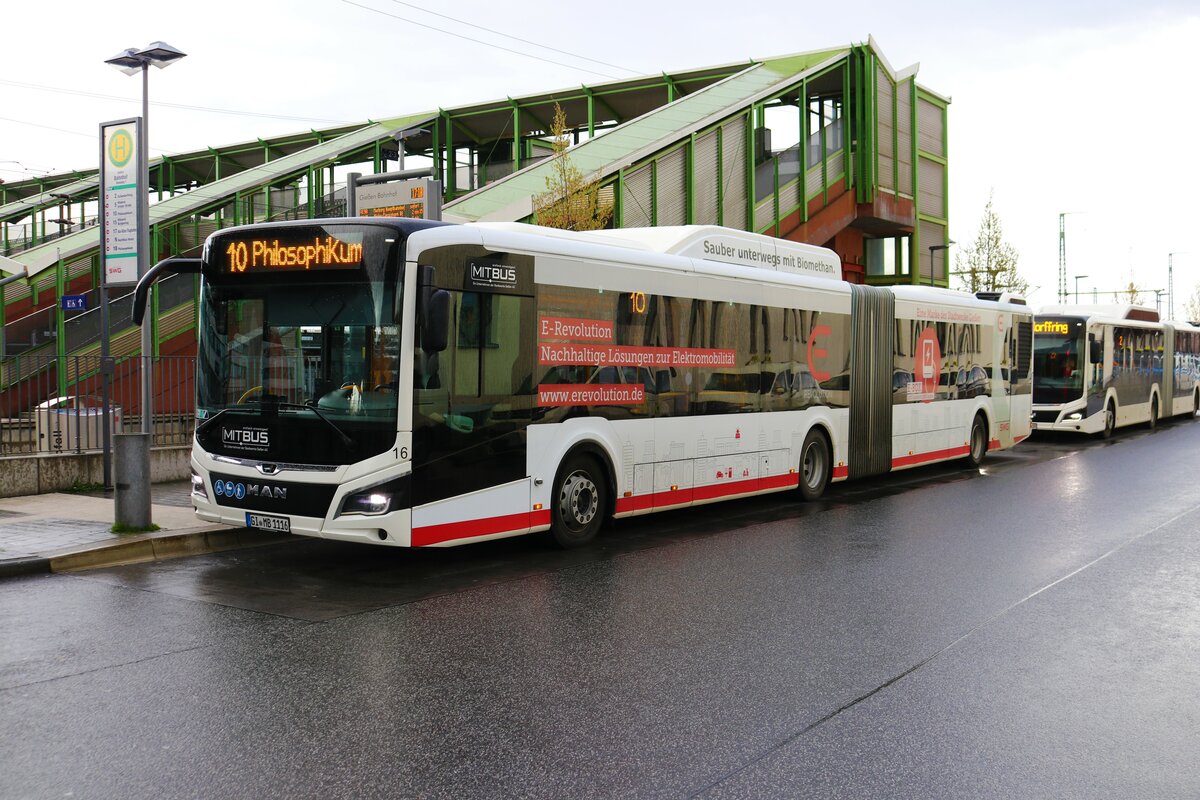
(1191, 306)
(1131, 294)
(570, 202)
(990, 263)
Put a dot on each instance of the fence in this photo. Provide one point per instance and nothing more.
(37, 417)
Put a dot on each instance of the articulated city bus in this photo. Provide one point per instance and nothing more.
(412, 383)
(1099, 367)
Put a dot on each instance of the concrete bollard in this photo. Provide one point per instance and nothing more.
(131, 475)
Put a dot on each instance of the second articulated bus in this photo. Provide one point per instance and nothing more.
(1100, 367)
(412, 383)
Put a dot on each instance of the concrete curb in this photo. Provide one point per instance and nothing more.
(27, 565)
(142, 547)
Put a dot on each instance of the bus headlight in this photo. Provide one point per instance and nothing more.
(378, 499)
(1075, 417)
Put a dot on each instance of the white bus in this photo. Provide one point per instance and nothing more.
(412, 383)
(1100, 367)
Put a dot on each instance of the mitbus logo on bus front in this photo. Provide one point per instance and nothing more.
(245, 437)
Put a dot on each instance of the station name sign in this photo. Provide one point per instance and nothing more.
(419, 198)
(256, 255)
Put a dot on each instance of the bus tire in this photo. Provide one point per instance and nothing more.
(1110, 419)
(580, 501)
(1153, 413)
(977, 444)
(815, 465)
(1196, 404)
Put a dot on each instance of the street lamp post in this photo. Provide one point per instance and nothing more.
(133, 506)
(932, 249)
(1077, 277)
(131, 61)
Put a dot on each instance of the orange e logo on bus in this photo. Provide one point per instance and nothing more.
(818, 352)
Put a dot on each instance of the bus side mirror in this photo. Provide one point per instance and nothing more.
(1095, 351)
(168, 266)
(433, 311)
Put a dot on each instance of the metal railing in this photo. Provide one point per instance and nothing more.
(35, 417)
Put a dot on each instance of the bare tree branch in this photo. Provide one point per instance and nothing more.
(570, 202)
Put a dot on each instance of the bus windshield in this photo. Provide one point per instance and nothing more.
(300, 345)
(1059, 360)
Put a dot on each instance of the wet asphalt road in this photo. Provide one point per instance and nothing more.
(1031, 630)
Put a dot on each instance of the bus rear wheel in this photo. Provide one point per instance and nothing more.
(978, 443)
(580, 502)
(815, 465)
(1154, 413)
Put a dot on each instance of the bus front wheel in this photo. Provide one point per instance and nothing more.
(1154, 413)
(580, 502)
(1110, 419)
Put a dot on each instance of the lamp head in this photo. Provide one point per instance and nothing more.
(131, 60)
(161, 54)
(127, 61)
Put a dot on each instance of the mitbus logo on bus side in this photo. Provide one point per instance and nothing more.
(493, 276)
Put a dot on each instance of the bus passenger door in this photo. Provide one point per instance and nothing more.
(1002, 380)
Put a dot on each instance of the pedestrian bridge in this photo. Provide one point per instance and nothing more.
(832, 147)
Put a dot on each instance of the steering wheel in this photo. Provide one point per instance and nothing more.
(249, 394)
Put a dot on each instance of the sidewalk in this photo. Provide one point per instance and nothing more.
(64, 531)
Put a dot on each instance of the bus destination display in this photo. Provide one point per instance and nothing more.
(273, 255)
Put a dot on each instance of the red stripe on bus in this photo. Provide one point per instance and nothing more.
(435, 534)
(788, 481)
(994, 444)
(715, 490)
(936, 455)
(636, 503)
(710, 492)
(841, 472)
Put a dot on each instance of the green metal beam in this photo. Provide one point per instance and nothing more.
(462, 126)
(599, 98)
(60, 328)
(804, 134)
(689, 177)
(720, 175)
(541, 123)
(619, 200)
(516, 149)
(672, 88)
(748, 151)
(450, 182)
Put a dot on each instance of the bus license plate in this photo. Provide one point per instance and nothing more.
(265, 522)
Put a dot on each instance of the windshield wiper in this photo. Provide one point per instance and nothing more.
(311, 406)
